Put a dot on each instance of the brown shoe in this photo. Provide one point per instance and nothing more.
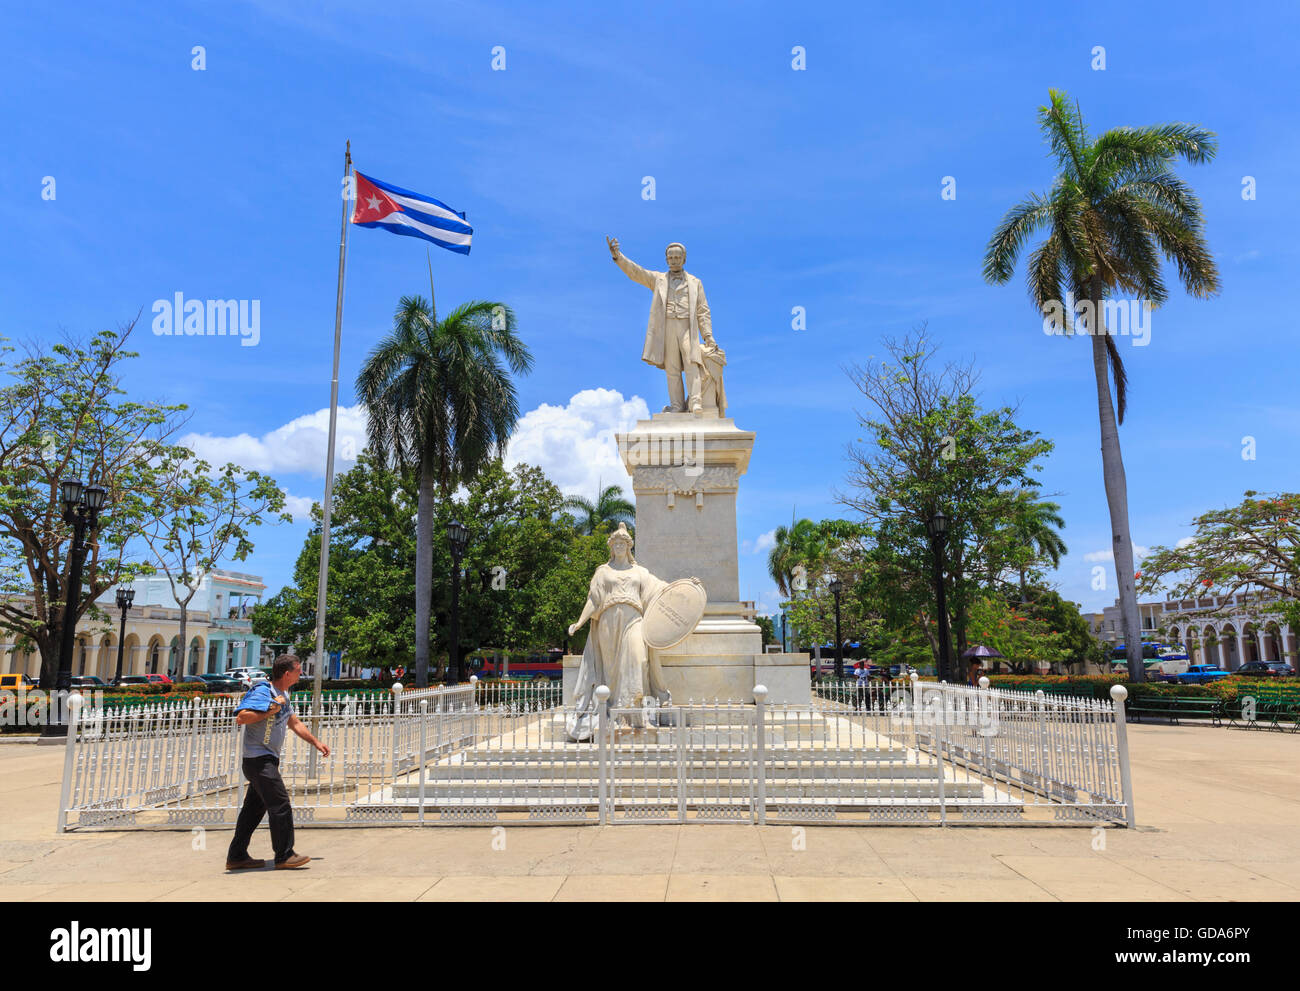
(245, 865)
(293, 863)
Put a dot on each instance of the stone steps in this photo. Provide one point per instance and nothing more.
(522, 794)
(727, 770)
(586, 754)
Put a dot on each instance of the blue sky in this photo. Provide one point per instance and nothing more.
(817, 188)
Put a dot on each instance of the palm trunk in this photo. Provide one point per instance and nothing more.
(423, 571)
(1116, 494)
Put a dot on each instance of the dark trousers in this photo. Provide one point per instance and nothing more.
(266, 796)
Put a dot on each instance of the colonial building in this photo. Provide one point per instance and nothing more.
(217, 626)
(1224, 630)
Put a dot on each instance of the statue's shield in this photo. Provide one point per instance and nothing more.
(673, 614)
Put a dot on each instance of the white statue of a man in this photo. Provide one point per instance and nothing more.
(679, 317)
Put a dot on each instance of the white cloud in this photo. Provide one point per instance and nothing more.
(574, 444)
(299, 507)
(1184, 541)
(1138, 552)
(297, 447)
(765, 541)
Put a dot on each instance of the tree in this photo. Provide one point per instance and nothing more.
(608, 511)
(560, 592)
(525, 577)
(439, 400)
(1061, 616)
(934, 449)
(64, 415)
(368, 613)
(1016, 634)
(1253, 547)
(198, 517)
(793, 548)
(1114, 208)
(1034, 535)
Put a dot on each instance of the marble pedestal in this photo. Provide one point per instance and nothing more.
(685, 475)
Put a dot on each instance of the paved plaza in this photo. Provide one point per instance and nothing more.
(1218, 813)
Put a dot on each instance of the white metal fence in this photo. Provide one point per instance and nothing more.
(902, 752)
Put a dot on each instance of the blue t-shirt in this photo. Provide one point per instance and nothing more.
(266, 738)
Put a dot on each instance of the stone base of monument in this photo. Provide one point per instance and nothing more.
(697, 670)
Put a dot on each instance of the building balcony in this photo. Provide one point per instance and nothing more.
(233, 625)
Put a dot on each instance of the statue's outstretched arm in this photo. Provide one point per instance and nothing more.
(633, 271)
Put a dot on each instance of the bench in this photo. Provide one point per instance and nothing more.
(1174, 707)
(1272, 705)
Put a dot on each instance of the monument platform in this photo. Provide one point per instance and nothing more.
(686, 472)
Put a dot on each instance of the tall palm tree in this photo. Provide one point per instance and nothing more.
(439, 400)
(610, 509)
(1115, 207)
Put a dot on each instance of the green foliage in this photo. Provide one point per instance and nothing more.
(607, 512)
(1115, 207)
(368, 611)
(932, 447)
(1253, 547)
(524, 579)
(1020, 637)
(440, 402)
(63, 414)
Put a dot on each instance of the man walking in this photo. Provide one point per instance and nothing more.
(265, 712)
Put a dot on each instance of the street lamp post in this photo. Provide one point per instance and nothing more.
(81, 507)
(458, 538)
(125, 596)
(937, 526)
(837, 587)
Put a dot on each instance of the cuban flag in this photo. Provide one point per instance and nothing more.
(413, 214)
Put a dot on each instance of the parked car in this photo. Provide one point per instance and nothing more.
(87, 681)
(1265, 669)
(13, 681)
(144, 679)
(1200, 674)
(220, 682)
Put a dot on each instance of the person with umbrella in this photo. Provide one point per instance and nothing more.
(974, 654)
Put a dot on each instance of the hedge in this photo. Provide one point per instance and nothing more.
(1098, 686)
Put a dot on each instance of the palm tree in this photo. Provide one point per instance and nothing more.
(1115, 207)
(610, 509)
(792, 547)
(439, 400)
(1034, 526)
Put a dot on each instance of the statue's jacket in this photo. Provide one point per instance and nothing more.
(655, 333)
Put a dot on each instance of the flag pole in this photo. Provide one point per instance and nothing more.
(323, 574)
(433, 306)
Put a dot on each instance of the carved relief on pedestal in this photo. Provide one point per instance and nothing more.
(686, 480)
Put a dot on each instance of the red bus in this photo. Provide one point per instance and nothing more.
(541, 666)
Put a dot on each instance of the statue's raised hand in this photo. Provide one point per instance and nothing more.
(613, 247)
